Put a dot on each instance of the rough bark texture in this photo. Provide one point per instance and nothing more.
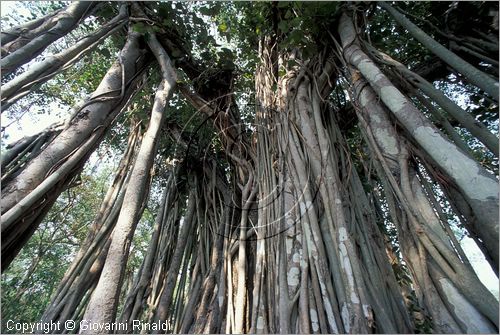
(475, 76)
(329, 206)
(478, 185)
(413, 238)
(476, 128)
(86, 130)
(83, 274)
(104, 301)
(42, 71)
(58, 26)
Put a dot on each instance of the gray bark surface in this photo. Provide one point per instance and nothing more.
(420, 213)
(104, 300)
(90, 124)
(42, 71)
(66, 21)
(479, 187)
(475, 76)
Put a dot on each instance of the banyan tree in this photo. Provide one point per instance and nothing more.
(277, 167)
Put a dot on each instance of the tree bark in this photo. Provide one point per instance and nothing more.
(64, 22)
(14, 33)
(165, 301)
(137, 296)
(86, 129)
(419, 212)
(42, 71)
(475, 76)
(478, 186)
(104, 300)
(476, 128)
(85, 269)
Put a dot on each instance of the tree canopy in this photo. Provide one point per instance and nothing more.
(249, 167)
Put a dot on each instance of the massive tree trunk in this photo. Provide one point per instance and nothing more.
(478, 186)
(437, 285)
(104, 300)
(329, 212)
(140, 291)
(476, 128)
(165, 300)
(83, 273)
(42, 71)
(46, 176)
(475, 76)
(309, 246)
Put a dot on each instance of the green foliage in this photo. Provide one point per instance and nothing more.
(456, 22)
(422, 321)
(386, 35)
(221, 39)
(34, 275)
(35, 10)
(306, 25)
(82, 79)
(485, 110)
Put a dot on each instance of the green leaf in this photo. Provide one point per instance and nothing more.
(283, 26)
(296, 22)
(295, 36)
(164, 11)
(139, 27)
(223, 27)
(197, 20)
(206, 11)
(176, 53)
(105, 52)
